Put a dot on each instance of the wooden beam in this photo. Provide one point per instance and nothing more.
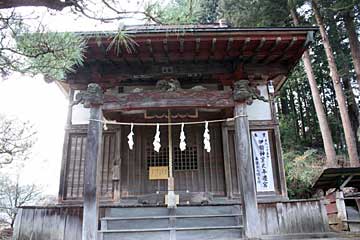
(178, 99)
(261, 44)
(181, 45)
(270, 54)
(149, 45)
(229, 44)
(150, 70)
(166, 50)
(289, 46)
(253, 58)
(347, 180)
(246, 43)
(197, 45)
(197, 49)
(213, 45)
(243, 47)
(276, 44)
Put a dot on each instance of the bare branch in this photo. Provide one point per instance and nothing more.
(52, 4)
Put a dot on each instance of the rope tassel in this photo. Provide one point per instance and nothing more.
(207, 145)
(156, 143)
(182, 144)
(131, 137)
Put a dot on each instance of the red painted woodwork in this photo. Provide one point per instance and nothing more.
(154, 47)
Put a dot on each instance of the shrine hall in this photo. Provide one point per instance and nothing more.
(172, 133)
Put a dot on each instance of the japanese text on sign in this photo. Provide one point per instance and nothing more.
(262, 161)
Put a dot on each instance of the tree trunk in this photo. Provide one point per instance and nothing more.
(284, 103)
(349, 134)
(296, 122)
(353, 42)
(300, 104)
(353, 109)
(323, 123)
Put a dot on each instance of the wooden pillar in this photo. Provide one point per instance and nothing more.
(93, 99)
(245, 169)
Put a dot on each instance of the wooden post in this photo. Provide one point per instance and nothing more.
(93, 99)
(245, 169)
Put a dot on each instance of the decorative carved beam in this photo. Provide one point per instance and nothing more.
(176, 99)
(243, 92)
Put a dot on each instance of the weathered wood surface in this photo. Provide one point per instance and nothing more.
(91, 179)
(177, 99)
(245, 171)
(48, 223)
(72, 181)
(206, 177)
(130, 168)
(302, 216)
(64, 223)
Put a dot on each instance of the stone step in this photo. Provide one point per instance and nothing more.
(178, 221)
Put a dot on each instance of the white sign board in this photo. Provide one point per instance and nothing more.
(262, 161)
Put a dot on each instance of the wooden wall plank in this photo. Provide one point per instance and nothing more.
(65, 223)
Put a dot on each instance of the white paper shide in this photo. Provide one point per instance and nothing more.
(156, 143)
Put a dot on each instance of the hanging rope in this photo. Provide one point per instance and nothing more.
(156, 143)
(167, 124)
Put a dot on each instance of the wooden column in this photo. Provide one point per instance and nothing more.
(93, 99)
(245, 164)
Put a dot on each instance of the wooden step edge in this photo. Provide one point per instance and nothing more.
(351, 221)
(170, 216)
(209, 228)
(169, 229)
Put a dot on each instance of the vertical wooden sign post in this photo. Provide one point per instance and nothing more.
(93, 99)
(243, 95)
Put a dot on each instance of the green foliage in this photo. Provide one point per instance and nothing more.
(255, 13)
(50, 53)
(122, 39)
(178, 12)
(26, 49)
(302, 169)
(209, 11)
(289, 134)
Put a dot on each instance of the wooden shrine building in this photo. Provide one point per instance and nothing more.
(131, 96)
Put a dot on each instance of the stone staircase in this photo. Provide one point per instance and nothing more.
(182, 223)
